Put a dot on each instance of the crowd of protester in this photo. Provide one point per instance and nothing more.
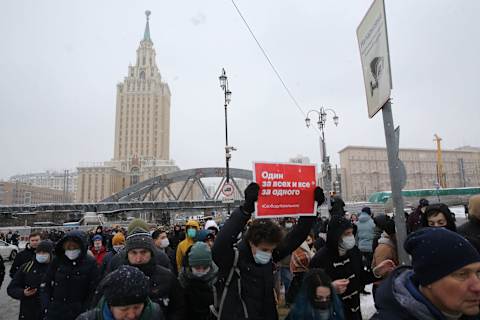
(316, 267)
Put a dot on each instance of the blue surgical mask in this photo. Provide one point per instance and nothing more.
(191, 233)
(42, 258)
(262, 257)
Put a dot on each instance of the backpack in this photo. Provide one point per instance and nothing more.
(218, 304)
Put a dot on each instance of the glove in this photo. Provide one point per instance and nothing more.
(319, 196)
(251, 196)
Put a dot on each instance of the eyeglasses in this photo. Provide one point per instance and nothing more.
(464, 275)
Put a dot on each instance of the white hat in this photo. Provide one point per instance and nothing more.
(211, 223)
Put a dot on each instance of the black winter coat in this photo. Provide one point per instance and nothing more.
(348, 266)
(471, 228)
(22, 258)
(69, 285)
(256, 280)
(164, 290)
(30, 275)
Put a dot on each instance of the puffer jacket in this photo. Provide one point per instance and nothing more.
(365, 232)
(256, 280)
(69, 284)
(29, 275)
(398, 298)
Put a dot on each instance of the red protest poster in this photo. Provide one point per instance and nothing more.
(286, 189)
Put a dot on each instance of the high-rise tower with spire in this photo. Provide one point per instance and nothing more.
(142, 131)
(142, 125)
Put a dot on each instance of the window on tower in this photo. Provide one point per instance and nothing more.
(142, 75)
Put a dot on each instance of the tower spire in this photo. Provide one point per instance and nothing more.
(146, 34)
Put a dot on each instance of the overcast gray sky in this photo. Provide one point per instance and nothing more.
(60, 62)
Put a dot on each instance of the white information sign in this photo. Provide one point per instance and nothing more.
(374, 53)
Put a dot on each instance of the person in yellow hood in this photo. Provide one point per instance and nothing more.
(191, 230)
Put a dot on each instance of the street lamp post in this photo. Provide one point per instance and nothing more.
(326, 167)
(227, 94)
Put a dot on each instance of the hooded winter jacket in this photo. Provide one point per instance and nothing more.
(69, 284)
(348, 266)
(185, 244)
(29, 275)
(398, 298)
(256, 280)
(365, 232)
(151, 311)
(198, 291)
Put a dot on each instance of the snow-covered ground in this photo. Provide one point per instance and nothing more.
(366, 303)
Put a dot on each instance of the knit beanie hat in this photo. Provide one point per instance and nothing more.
(118, 239)
(430, 259)
(45, 246)
(97, 237)
(140, 239)
(200, 255)
(204, 235)
(126, 286)
(137, 224)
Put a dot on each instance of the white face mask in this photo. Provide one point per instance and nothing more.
(262, 257)
(42, 258)
(118, 247)
(348, 242)
(72, 254)
(288, 225)
(198, 273)
(164, 243)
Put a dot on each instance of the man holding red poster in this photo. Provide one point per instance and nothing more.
(286, 189)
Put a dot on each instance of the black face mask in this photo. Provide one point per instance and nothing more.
(322, 305)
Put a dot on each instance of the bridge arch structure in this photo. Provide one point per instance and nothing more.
(184, 181)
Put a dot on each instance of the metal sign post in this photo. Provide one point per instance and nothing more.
(375, 56)
(398, 177)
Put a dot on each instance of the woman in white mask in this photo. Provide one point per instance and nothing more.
(342, 261)
(25, 285)
(197, 278)
(71, 279)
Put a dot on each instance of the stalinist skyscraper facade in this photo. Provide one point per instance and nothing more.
(142, 130)
(142, 123)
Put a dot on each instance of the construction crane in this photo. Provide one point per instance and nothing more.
(441, 178)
